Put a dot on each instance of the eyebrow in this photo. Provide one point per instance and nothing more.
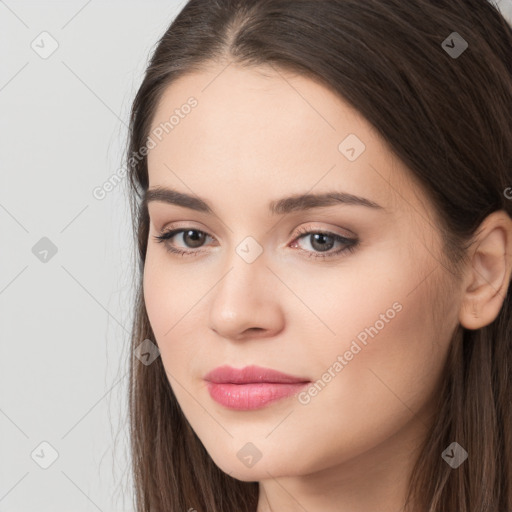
(298, 202)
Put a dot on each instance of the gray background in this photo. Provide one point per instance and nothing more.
(65, 317)
(64, 322)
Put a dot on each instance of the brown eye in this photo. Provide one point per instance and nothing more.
(193, 238)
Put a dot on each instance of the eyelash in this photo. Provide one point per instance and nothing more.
(351, 243)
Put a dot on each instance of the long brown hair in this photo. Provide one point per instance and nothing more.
(449, 119)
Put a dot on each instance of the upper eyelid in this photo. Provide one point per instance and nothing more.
(189, 225)
(173, 227)
(299, 232)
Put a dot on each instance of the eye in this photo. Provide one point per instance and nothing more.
(320, 241)
(193, 236)
(323, 241)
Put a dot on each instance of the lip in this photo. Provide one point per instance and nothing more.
(250, 375)
(251, 387)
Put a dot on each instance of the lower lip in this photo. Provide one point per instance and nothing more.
(247, 397)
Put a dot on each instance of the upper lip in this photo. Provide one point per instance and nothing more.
(250, 374)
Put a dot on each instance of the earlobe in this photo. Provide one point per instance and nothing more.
(488, 277)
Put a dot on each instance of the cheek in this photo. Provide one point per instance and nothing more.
(167, 290)
(157, 296)
(367, 298)
(171, 298)
(383, 303)
(161, 296)
(388, 287)
(387, 354)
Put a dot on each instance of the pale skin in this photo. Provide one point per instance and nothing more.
(258, 135)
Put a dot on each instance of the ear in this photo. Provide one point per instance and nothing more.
(488, 277)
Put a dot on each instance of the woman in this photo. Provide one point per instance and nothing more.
(322, 202)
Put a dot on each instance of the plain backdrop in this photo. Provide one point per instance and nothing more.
(68, 74)
(66, 257)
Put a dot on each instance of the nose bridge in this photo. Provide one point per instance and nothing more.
(246, 266)
(242, 298)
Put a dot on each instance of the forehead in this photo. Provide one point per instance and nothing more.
(269, 132)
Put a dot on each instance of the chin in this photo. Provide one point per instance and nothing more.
(263, 469)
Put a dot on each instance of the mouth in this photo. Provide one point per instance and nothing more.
(252, 387)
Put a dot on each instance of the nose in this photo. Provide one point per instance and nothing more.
(244, 303)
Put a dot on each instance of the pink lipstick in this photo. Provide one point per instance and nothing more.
(252, 387)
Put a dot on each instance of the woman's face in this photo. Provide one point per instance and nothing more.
(274, 287)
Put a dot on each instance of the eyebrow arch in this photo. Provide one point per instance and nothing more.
(298, 202)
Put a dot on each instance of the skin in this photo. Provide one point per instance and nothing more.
(259, 134)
